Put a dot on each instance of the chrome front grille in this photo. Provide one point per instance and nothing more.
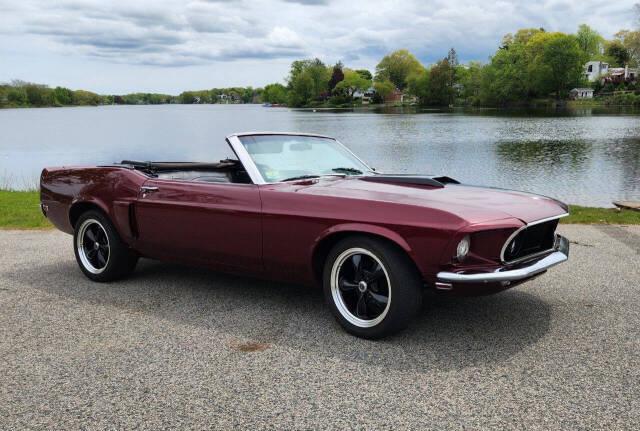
(530, 241)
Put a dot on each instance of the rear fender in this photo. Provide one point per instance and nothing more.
(118, 213)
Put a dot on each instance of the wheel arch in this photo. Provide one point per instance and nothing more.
(79, 207)
(329, 238)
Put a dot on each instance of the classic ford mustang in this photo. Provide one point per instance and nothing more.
(303, 208)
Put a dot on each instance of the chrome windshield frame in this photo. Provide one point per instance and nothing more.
(245, 158)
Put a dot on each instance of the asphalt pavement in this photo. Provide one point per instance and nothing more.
(180, 347)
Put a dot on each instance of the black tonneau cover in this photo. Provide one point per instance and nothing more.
(177, 166)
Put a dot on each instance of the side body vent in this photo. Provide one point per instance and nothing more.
(132, 220)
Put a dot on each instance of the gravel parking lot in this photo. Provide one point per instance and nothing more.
(174, 346)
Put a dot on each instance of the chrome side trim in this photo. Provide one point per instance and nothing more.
(501, 274)
(513, 235)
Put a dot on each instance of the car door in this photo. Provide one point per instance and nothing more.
(213, 224)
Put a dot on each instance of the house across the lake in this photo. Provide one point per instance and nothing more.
(619, 75)
(395, 97)
(366, 96)
(594, 70)
(599, 70)
(581, 93)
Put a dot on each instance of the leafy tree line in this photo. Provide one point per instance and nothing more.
(20, 93)
(26, 94)
(311, 82)
(222, 95)
(527, 65)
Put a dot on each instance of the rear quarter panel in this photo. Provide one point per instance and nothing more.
(111, 189)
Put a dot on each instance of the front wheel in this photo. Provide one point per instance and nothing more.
(101, 254)
(371, 286)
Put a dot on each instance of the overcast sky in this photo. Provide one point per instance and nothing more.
(111, 46)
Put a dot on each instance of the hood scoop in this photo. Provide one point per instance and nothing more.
(412, 179)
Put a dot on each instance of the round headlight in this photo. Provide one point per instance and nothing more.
(463, 248)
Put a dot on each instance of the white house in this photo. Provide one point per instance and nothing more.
(594, 70)
(581, 93)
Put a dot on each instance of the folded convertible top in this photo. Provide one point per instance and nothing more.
(175, 166)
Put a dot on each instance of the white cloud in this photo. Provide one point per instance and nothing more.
(201, 37)
(285, 37)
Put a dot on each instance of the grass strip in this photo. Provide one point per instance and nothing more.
(21, 210)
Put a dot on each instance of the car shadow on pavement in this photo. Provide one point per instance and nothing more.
(449, 333)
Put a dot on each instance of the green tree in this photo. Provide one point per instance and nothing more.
(308, 80)
(505, 79)
(320, 76)
(302, 89)
(630, 40)
(351, 83)
(83, 98)
(522, 36)
(556, 62)
(420, 86)
(618, 52)
(441, 89)
(384, 88)
(35, 94)
(589, 40)
(16, 96)
(397, 67)
(470, 79)
(62, 96)
(365, 74)
(187, 97)
(452, 59)
(274, 93)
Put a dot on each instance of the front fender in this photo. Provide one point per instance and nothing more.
(363, 228)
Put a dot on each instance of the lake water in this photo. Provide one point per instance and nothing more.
(588, 157)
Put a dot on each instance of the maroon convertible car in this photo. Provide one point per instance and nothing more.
(303, 208)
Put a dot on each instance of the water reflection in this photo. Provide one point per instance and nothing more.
(543, 111)
(626, 154)
(569, 153)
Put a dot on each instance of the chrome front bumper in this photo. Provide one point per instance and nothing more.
(526, 270)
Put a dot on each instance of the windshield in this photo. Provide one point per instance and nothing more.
(288, 157)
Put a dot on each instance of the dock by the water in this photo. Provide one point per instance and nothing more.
(628, 205)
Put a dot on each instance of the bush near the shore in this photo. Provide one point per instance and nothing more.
(629, 99)
(21, 210)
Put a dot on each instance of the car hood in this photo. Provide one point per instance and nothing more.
(472, 203)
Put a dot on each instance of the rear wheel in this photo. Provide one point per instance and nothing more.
(100, 253)
(371, 287)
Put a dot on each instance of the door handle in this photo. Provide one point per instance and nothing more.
(147, 189)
